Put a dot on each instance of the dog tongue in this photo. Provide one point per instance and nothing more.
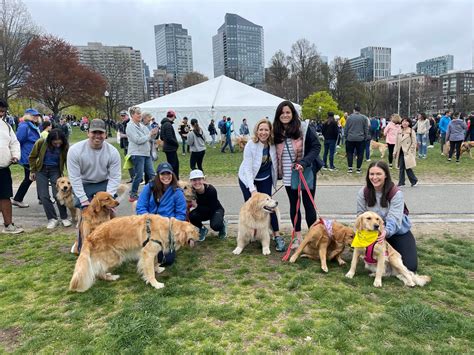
(191, 243)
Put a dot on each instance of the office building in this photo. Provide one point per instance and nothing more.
(435, 66)
(457, 85)
(238, 50)
(160, 84)
(374, 63)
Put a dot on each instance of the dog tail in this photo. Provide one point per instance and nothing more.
(84, 275)
(421, 280)
(122, 191)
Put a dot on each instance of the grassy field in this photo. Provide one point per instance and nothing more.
(215, 302)
(433, 169)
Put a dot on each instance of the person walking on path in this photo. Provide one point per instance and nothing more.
(330, 132)
(391, 132)
(405, 153)
(422, 127)
(443, 127)
(170, 143)
(228, 136)
(197, 145)
(356, 133)
(212, 132)
(455, 136)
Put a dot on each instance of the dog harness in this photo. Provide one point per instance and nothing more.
(364, 239)
(328, 225)
(171, 242)
(369, 254)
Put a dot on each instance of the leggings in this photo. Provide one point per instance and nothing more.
(405, 244)
(310, 212)
(452, 146)
(391, 147)
(172, 158)
(197, 158)
(216, 218)
(24, 186)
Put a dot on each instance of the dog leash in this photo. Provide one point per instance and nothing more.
(277, 190)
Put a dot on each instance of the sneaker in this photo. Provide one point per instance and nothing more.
(12, 229)
(400, 185)
(358, 171)
(368, 160)
(223, 231)
(325, 168)
(280, 244)
(457, 161)
(52, 223)
(390, 166)
(296, 243)
(202, 233)
(413, 185)
(20, 204)
(349, 171)
(333, 168)
(431, 146)
(66, 223)
(132, 199)
(449, 159)
(129, 181)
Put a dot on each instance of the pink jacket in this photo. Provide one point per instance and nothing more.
(391, 132)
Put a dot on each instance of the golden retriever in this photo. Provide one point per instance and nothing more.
(318, 242)
(466, 147)
(389, 261)
(65, 197)
(254, 222)
(382, 147)
(241, 141)
(124, 238)
(189, 195)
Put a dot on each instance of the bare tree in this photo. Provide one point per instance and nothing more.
(345, 87)
(16, 32)
(194, 78)
(276, 80)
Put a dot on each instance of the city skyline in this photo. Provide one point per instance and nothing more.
(337, 29)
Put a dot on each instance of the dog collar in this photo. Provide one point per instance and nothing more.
(364, 238)
(148, 235)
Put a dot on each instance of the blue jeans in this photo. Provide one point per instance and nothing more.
(422, 140)
(140, 165)
(228, 142)
(367, 149)
(329, 146)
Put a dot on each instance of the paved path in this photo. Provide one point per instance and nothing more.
(427, 203)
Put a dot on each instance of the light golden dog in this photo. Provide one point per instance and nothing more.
(466, 147)
(389, 261)
(254, 222)
(241, 141)
(124, 238)
(382, 147)
(317, 242)
(189, 195)
(65, 197)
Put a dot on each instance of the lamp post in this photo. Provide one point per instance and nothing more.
(453, 101)
(107, 95)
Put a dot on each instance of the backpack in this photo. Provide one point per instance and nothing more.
(224, 128)
(390, 195)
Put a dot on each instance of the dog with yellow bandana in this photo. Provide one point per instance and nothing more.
(380, 257)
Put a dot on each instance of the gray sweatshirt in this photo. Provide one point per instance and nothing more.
(195, 143)
(138, 139)
(356, 129)
(87, 165)
(456, 130)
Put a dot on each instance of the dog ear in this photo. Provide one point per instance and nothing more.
(95, 204)
(358, 223)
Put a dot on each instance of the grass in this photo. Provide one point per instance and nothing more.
(215, 302)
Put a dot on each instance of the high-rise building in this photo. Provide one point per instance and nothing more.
(374, 63)
(174, 51)
(436, 66)
(121, 66)
(238, 51)
(162, 83)
(457, 86)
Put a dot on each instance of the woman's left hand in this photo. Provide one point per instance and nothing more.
(381, 236)
(298, 166)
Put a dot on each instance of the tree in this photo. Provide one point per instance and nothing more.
(56, 78)
(317, 106)
(16, 32)
(345, 87)
(278, 73)
(193, 78)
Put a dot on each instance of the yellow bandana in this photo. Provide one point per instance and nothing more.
(363, 239)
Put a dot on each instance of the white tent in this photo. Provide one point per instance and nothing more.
(215, 98)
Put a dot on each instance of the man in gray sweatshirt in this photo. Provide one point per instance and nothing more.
(356, 132)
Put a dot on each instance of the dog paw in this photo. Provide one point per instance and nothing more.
(341, 263)
(293, 258)
(159, 269)
(377, 283)
(325, 268)
(157, 285)
(350, 275)
(237, 251)
(113, 277)
(266, 251)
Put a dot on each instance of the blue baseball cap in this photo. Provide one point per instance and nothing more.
(32, 112)
(164, 168)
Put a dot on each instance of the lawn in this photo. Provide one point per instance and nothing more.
(214, 302)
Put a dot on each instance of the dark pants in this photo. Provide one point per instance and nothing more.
(455, 145)
(432, 136)
(367, 149)
(91, 189)
(391, 147)
(405, 244)
(172, 158)
(228, 142)
(410, 173)
(310, 212)
(264, 186)
(197, 158)
(442, 140)
(43, 178)
(355, 147)
(216, 218)
(184, 143)
(329, 147)
(24, 186)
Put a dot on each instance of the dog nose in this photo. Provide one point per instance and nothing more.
(276, 203)
(376, 226)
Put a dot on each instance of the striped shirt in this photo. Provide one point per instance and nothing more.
(287, 162)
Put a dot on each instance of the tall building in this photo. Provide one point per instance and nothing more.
(174, 51)
(374, 63)
(121, 66)
(458, 85)
(239, 52)
(435, 66)
(162, 83)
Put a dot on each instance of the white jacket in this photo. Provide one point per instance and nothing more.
(9, 145)
(253, 153)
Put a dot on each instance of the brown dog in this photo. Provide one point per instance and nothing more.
(65, 196)
(134, 237)
(389, 261)
(466, 147)
(382, 147)
(317, 242)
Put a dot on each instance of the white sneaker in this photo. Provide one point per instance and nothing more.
(66, 223)
(52, 223)
(12, 229)
(20, 204)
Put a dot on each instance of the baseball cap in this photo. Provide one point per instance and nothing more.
(123, 113)
(164, 168)
(196, 174)
(331, 114)
(97, 125)
(170, 113)
(32, 112)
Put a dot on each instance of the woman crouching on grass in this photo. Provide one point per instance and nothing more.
(258, 170)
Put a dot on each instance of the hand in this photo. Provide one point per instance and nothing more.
(14, 160)
(32, 176)
(381, 237)
(194, 204)
(85, 204)
(297, 166)
(254, 192)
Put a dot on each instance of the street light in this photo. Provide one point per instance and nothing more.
(453, 101)
(107, 94)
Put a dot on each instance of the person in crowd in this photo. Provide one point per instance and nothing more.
(330, 132)
(258, 171)
(367, 142)
(342, 124)
(139, 150)
(122, 128)
(244, 128)
(46, 128)
(206, 207)
(455, 136)
(297, 148)
(228, 136)
(47, 161)
(183, 130)
(405, 152)
(470, 128)
(422, 127)
(28, 133)
(148, 122)
(93, 165)
(222, 129)
(65, 127)
(170, 143)
(356, 132)
(391, 132)
(443, 127)
(380, 195)
(432, 131)
(212, 132)
(10, 154)
(197, 145)
(374, 128)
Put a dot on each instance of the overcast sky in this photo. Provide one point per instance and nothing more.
(414, 29)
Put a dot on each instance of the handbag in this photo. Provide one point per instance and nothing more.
(295, 174)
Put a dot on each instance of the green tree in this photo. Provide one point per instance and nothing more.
(317, 106)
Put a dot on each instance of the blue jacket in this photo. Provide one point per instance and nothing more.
(443, 124)
(27, 134)
(172, 203)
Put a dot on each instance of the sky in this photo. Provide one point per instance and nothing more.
(415, 29)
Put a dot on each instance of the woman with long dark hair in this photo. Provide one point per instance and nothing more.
(330, 132)
(197, 145)
(47, 160)
(405, 151)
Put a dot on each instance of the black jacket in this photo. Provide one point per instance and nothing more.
(330, 130)
(312, 148)
(168, 136)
